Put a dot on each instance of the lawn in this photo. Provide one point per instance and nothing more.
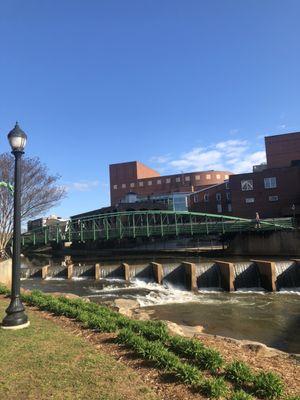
(46, 362)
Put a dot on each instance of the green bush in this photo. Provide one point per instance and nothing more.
(239, 373)
(193, 349)
(268, 385)
(240, 395)
(214, 388)
(4, 291)
(156, 352)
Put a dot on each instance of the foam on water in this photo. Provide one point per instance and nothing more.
(50, 278)
(294, 290)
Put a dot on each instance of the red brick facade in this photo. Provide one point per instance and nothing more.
(138, 178)
(281, 150)
(273, 193)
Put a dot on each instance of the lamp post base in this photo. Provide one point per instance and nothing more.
(15, 316)
(16, 327)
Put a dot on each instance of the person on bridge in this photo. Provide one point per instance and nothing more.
(257, 220)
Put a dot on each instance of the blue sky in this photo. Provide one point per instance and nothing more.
(179, 85)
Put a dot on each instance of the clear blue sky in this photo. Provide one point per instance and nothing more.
(179, 85)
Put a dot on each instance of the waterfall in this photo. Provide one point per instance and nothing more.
(246, 275)
(112, 272)
(142, 272)
(57, 271)
(174, 274)
(208, 275)
(287, 274)
(31, 272)
(84, 271)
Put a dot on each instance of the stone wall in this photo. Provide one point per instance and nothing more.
(6, 272)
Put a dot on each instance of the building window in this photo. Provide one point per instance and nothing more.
(197, 177)
(229, 207)
(141, 184)
(158, 181)
(273, 198)
(187, 178)
(228, 197)
(247, 184)
(196, 198)
(206, 197)
(226, 176)
(249, 200)
(132, 185)
(227, 185)
(168, 180)
(123, 185)
(149, 183)
(219, 208)
(177, 179)
(218, 176)
(218, 197)
(208, 176)
(115, 187)
(270, 183)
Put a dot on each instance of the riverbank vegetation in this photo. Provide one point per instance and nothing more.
(200, 367)
(46, 361)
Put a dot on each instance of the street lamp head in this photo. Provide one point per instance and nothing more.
(17, 138)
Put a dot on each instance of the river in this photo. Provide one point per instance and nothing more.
(270, 318)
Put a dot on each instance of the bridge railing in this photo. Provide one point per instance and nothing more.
(147, 224)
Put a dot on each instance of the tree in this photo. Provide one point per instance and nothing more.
(40, 192)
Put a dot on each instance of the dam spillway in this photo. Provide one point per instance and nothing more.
(217, 275)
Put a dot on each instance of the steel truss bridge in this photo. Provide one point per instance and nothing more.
(147, 224)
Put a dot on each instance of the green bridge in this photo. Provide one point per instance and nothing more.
(147, 224)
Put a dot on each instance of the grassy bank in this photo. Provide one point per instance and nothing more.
(190, 362)
(46, 362)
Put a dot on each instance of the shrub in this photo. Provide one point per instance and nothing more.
(214, 388)
(240, 395)
(268, 385)
(156, 352)
(193, 349)
(239, 373)
(4, 290)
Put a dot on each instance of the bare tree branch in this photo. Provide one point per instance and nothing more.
(40, 192)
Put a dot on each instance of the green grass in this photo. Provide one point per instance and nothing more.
(183, 358)
(46, 362)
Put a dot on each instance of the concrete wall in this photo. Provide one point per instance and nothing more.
(227, 275)
(281, 243)
(267, 274)
(6, 272)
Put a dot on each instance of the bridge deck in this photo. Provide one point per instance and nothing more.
(147, 224)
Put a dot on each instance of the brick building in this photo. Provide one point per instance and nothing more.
(272, 190)
(135, 177)
(282, 150)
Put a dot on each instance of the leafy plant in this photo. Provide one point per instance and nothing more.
(268, 385)
(239, 373)
(240, 395)
(214, 388)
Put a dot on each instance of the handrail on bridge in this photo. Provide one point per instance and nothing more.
(145, 223)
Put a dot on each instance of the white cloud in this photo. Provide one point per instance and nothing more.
(160, 159)
(233, 155)
(82, 186)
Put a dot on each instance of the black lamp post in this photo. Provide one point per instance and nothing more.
(16, 317)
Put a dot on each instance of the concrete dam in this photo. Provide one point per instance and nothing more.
(219, 275)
